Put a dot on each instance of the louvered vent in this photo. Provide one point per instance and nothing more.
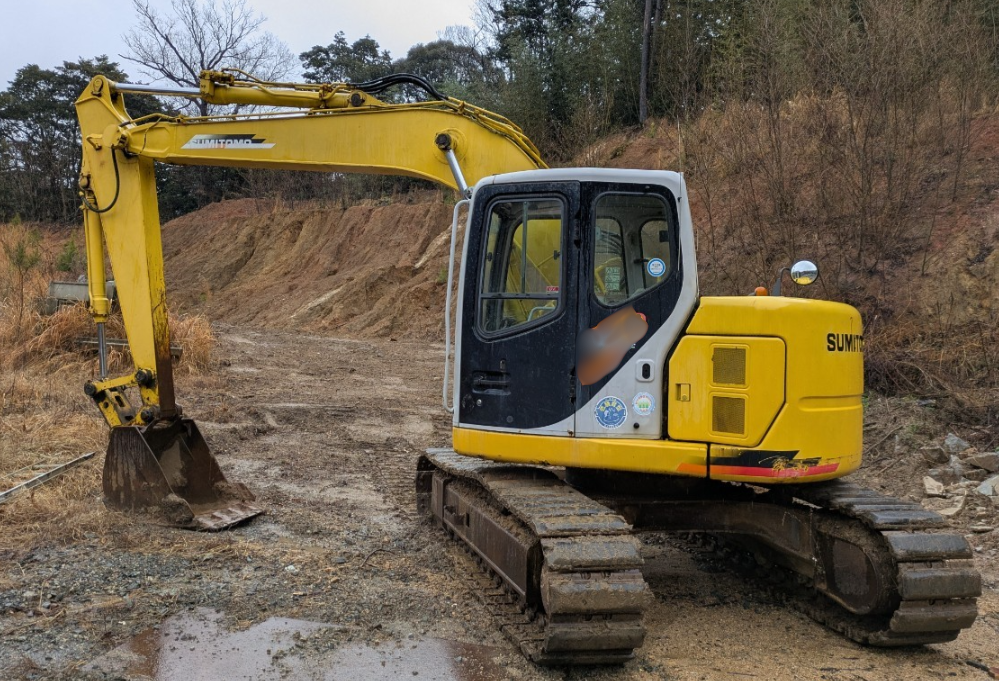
(728, 414)
(729, 366)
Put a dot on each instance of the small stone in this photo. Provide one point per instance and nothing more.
(990, 487)
(933, 488)
(28, 595)
(945, 475)
(952, 511)
(976, 475)
(954, 445)
(981, 529)
(292, 569)
(987, 460)
(945, 507)
(934, 454)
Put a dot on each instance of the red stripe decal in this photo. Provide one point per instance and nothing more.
(775, 472)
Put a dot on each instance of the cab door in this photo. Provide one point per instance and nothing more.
(518, 315)
(633, 265)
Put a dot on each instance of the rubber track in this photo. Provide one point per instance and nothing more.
(591, 586)
(935, 575)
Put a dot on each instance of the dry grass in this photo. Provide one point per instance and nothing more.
(54, 339)
(956, 366)
(194, 334)
(45, 419)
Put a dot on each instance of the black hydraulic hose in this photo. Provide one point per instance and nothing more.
(117, 189)
(379, 85)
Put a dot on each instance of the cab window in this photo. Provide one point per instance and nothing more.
(522, 264)
(632, 246)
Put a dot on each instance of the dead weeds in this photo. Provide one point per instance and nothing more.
(45, 419)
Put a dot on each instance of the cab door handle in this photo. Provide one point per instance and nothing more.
(490, 382)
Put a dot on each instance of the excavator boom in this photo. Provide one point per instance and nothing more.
(156, 458)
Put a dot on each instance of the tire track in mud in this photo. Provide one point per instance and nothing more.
(371, 402)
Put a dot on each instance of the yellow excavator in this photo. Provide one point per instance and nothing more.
(595, 394)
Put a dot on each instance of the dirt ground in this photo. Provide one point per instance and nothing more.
(326, 432)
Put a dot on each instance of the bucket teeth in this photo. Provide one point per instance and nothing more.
(220, 519)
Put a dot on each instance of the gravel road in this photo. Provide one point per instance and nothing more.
(340, 579)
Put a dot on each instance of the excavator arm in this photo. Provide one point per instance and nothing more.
(332, 128)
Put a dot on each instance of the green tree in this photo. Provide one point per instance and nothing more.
(68, 257)
(23, 255)
(343, 62)
(686, 45)
(457, 70)
(545, 48)
(40, 138)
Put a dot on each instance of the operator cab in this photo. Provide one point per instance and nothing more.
(549, 256)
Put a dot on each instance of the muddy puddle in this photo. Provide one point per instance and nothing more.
(195, 646)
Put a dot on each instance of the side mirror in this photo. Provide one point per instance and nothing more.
(804, 272)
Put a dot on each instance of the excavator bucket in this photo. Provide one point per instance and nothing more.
(166, 470)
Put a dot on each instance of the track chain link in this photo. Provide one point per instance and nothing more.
(935, 575)
(589, 581)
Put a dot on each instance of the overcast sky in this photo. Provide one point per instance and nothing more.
(49, 32)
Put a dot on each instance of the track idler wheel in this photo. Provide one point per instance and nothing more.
(855, 568)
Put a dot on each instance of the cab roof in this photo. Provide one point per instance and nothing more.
(667, 178)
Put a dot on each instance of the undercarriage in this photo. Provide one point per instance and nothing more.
(565, 566)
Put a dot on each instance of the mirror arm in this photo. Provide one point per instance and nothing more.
(775, 289)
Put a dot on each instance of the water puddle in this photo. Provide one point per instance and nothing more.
(194, 646)
(426, 659)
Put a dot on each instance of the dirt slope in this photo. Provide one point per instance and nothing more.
(367, 270)
(376, 270)
(951, 274)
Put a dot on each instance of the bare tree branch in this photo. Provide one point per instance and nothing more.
(196, 35)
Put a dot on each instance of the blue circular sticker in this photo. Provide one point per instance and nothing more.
(643, 404)
(611, 412)
(656, 267)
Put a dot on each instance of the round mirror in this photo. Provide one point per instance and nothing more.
(804, 272)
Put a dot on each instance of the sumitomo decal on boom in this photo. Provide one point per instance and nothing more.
(250, 141)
